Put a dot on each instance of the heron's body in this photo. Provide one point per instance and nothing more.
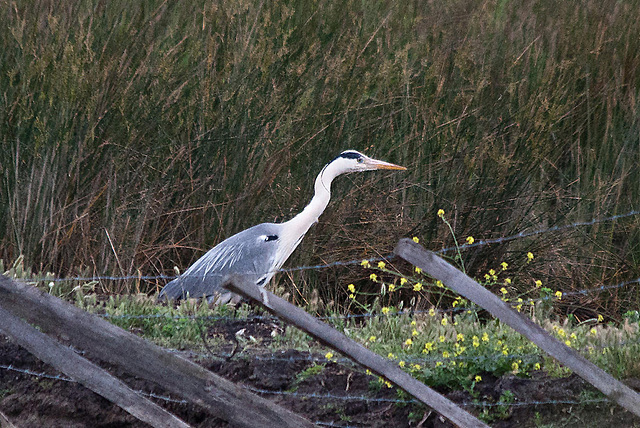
(261, 250)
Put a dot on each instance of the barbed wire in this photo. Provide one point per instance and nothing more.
(29, 372)
(329, 396)
(322, 396)
(478, 243)
(524, 234)
(431, 360)
(411, 312)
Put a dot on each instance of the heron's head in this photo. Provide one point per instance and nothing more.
(353, 161)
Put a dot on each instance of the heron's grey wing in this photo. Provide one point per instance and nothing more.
(250, 252)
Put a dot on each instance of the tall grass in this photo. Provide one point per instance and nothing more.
(136, 135)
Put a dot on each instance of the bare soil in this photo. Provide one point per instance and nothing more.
(28, 400)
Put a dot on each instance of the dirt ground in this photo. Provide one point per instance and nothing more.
(28, 400)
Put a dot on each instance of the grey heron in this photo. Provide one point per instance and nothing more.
(261, 250)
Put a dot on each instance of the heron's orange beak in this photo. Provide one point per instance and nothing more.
(378, 164)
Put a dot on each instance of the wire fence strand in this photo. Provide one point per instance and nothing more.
(478, 243)
(325, 396)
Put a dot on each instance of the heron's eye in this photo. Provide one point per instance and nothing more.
(360, 160)
(271, 238)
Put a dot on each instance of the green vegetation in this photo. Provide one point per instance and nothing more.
(307, 373)
(137, 135)
(451, 348)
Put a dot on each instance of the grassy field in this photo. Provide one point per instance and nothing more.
(136, 136)
(482, 363)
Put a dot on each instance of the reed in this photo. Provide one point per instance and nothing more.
(137, 135)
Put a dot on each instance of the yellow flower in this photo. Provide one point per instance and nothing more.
(445, 354)
(417, 286)
(391, 356)
(567, 342)
(414, 332)
(372, 338)
(428, 347)
(438, 363)
(492, 272)
(328, 355)
(385, 310)
(485, 337)
(442, 338)
(352, 296)
(365, 263)
(416, 367)
(408, 342)
(503, 290)
(507, 281)
(413, 322)
(538, 283)
(600, 318)
(515, 366)
(392, 288)
(352, 288)
(478, 378)
(373, 277)
(558, 294)
(475, 341)
(470, 240)
(381, 265)
(439, 284)
(418, 270)
(561, 333)
(504, 265)
(432, 312)
(460, 337)
(529, 256)
(441, 213)
(403, 281)
(415, 239)
(593, 331)
(368, 372)
(536, 366)
(388, 384)
(401, 364)
(444, 321)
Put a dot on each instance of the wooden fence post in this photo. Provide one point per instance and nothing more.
(107, 342)
(471, 290)
(85, 372)
(5, 422)
(338, 341)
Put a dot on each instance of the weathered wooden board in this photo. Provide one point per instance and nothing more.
(106, 342)
(471, 290)
(5, 422)
(85, 372)
(338, 341)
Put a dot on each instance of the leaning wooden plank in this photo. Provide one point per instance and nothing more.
(135, 355)
(467, 287)
(338, 341)
(5, 422)
(85, 372)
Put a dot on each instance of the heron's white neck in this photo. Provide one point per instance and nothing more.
(293, 230)
(303, 221)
